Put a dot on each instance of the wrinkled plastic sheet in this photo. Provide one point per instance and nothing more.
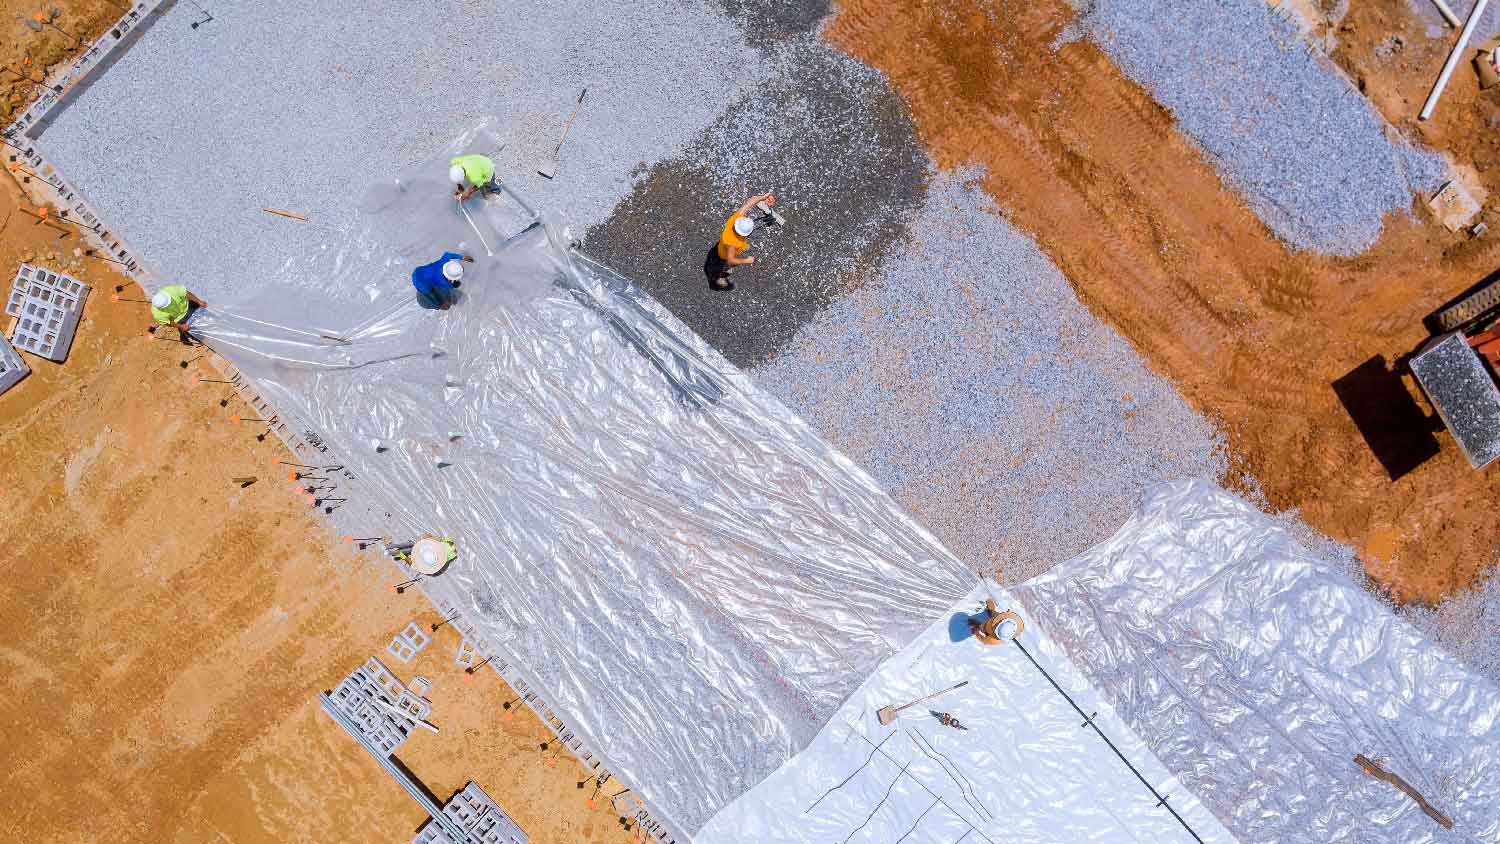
(1256, 673)
(689, 575)
(1025, 769)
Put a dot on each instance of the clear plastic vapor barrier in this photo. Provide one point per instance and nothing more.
(1257, 674)
(691, 576)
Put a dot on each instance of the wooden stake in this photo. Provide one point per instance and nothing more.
(282, 212)
(1374, 769)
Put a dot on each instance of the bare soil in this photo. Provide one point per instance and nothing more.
(1254, 335)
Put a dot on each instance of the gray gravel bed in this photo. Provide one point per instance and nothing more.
(300, 105)
(835, 142)
(966, 377)
(1310, 155)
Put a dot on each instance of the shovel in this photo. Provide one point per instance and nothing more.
(549, 169)
(887, 714)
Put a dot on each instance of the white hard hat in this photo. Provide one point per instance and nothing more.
(456, 174)
(453, 270)
(161, 301)
(743, 226)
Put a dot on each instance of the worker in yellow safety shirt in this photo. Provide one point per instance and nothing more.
(173, 305)
(729, 251)
(422, 554)
(470, 173)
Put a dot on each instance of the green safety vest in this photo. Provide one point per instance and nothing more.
(478, 169)
(177, 310)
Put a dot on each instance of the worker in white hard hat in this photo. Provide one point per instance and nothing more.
(429, 555)
(470, 173)
(437, 281)
(729, 251)
(173, 305)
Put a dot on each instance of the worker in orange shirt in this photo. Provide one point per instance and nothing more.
(729, 251)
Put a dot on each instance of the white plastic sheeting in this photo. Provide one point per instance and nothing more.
(1026, 769)
(698, 584)
(688, 574)
(1256, 673)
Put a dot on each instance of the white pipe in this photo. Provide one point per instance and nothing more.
(402, 713)
(1453, 57)
(1447, 13)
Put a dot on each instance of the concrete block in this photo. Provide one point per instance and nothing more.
(356, 696)
(12, 368)
(431, 833)
(47, 306)
(408, 643)
(478, 815)
(482, 817)
(467, 654)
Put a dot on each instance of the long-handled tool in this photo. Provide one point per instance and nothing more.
(549, 169)
(887, 714)
(475, 228)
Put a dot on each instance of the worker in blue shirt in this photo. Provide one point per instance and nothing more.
(435, 282)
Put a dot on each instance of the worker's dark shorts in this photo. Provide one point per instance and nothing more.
(716, 270)
(437, 297)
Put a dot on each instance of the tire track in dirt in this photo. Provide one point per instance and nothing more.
(1092, 167)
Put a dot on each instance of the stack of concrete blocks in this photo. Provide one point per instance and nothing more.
(479, 816)
(12, 368)
(356, 697)
(47, 306)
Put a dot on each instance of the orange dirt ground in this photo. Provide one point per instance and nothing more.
(164, 633)
(1254, 336)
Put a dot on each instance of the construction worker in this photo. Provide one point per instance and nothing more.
(989, 629)
(425, 552)
(435, 282)
(470, 173)
(173, 305)
(728, 252)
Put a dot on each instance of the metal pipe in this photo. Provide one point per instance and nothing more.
(1458, 49)
(1447, 13)
(402, 713)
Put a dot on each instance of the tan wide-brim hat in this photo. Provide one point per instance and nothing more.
(429, 555)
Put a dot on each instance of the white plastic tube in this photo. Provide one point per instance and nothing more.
(1447, 13)
(1453, 57)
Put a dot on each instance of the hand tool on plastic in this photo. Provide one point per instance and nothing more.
(887, 714)
(548, 169)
